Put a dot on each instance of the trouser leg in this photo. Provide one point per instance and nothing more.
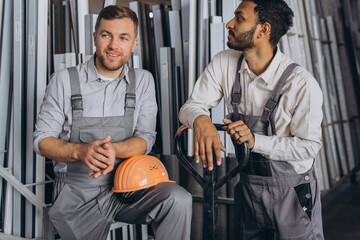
(298, 211)
(316, 213)
(49, 230)
(247, 225)
(280, 212)
(166, 206)
(76, 214)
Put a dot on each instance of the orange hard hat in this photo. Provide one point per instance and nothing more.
(139, 172)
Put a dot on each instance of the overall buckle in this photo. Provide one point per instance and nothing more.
(130, 100)
(76, 102)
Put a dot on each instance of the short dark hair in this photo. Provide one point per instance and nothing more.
(115, 12)
(278, 14)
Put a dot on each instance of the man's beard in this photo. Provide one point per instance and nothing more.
(243, 41)
(112, 66)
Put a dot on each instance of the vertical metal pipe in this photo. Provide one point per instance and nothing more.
(18, 77)
(67, 25)
(192, 64)
(31, 39)
(41, 79)
(5, 88)
(82, 10)
(9, 195)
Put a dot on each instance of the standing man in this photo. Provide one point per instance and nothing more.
(92, 116)
(275, 106)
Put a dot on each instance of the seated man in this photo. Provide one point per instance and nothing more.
(92, 116)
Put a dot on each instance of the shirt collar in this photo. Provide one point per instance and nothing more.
(93, 74)
(268, 75)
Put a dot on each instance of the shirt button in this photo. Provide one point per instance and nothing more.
(308, 195)
(306, 178)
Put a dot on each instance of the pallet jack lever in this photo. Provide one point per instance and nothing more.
(208, 182)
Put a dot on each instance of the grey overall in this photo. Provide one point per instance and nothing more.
(84, 208)
(272, 201)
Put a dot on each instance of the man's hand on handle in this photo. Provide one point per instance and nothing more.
(206, 139)
(240, 132)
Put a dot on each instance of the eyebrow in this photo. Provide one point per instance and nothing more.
(122, 34)
(104, 31)
(125, 34)
(238, 12)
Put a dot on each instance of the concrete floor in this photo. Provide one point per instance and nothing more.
(341, 211)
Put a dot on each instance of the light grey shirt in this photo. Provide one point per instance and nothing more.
(298, 116)
(101, 98)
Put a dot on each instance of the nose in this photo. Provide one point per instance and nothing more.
(114, 43)
(230, 24)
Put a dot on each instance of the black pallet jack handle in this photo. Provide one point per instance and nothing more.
(208, 181)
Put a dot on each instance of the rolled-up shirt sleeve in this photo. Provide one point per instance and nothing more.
(146, 122)
(206, 94)
(51, 117)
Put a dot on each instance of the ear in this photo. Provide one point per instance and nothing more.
(265, 30)
(134, 44)
(94, 36)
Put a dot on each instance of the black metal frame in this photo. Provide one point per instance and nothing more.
(208, 181)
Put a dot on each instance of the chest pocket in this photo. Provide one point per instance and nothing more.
(88, 135)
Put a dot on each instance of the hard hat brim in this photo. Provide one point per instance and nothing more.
(138, 188)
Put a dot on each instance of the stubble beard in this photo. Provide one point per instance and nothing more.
(243, 41)
(112, 65)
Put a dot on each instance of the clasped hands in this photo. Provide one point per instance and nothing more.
(99, 156)
(207, 140)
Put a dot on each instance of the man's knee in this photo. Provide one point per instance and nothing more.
(181, 199)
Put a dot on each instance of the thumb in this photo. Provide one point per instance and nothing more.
(106, 146)
(105, 140)
(226, 121)
(222, 148)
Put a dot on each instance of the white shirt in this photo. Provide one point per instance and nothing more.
(298, 116)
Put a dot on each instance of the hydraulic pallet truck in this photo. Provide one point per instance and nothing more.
(208, 182)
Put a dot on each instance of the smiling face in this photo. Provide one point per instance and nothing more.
(115, 40)
(242, 27)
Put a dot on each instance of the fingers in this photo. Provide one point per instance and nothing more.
(217, 150)
(235, 129)
(205, 148)
(104, 150)
(203, 154)
(206, 142)
(240, 132)
(96, 174)
(108, 169)
(95, 164)
(106, 146)
(209, 155)
(226, 121)
(103, 141)
(103, 172)
(108, 154)
(92, 166)
(94, 159)
(196, 151)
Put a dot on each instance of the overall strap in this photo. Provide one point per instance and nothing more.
(275, 97)
(76, 97)
(236, 91)
(130, 97)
